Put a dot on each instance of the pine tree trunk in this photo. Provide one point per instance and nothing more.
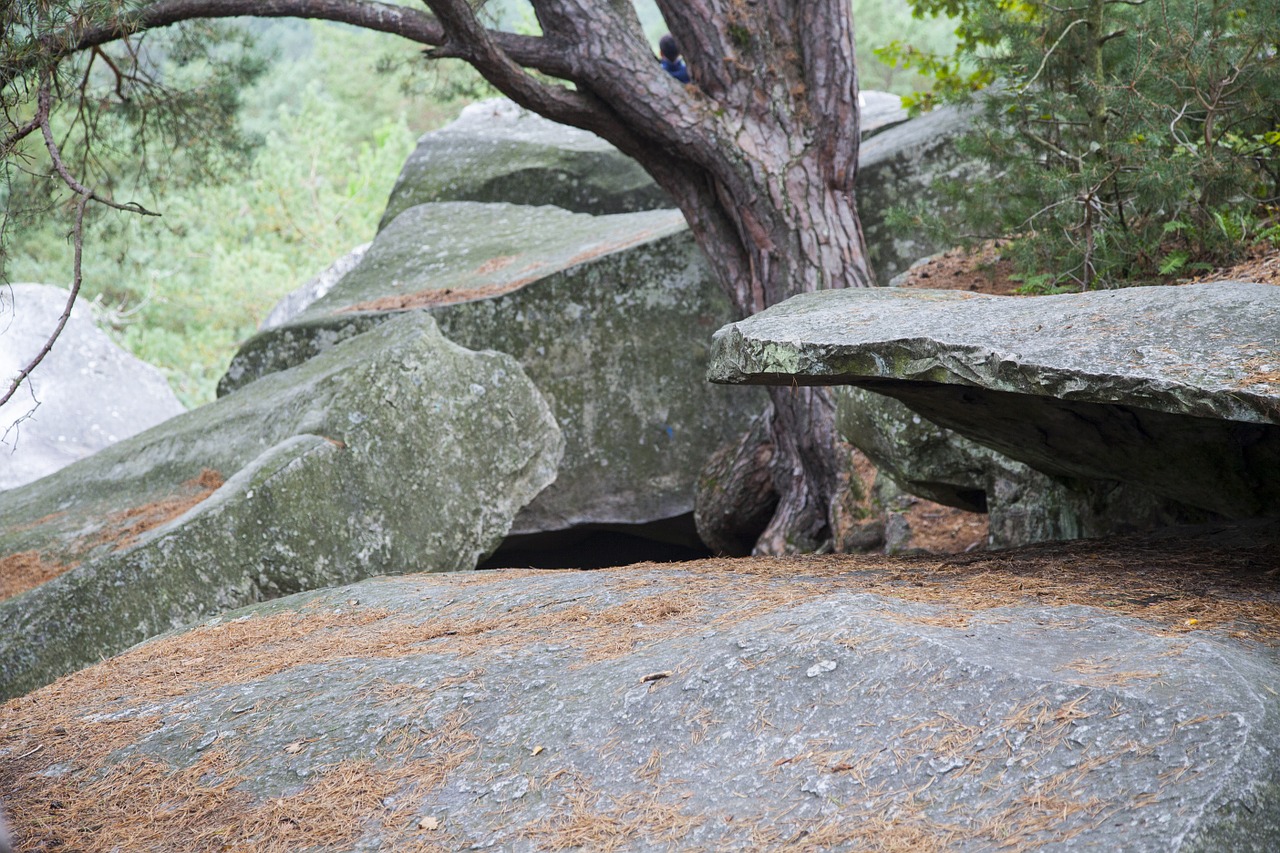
(806, 239)
(778, 217)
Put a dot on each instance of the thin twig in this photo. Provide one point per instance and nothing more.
(120, 75)
(78, 237)
(1049, 53)
(43, 108)
(17, 136)
(61, 167)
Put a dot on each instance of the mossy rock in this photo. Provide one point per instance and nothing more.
(497, 151)
(395, 451)
(1023, 505)
(611, 317)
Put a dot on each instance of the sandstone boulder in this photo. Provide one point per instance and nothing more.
(1175, 390)
(610, 315)
(825, 703)
(898, 169)
(496, 151)
(85, 395)
(395, 451)
(879, 111)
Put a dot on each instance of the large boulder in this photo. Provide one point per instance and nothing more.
(879, 111)
(1023, 505)
(396, 451)
(85, 395)
(609, 315)
(1024, 702)
(1175, 390)
(899, 169)
(496, 151)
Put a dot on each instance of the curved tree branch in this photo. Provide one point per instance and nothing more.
(470, 40)
(611, 59)
(411, 24)
(44, 103)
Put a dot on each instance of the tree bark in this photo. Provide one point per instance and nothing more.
(736, 499)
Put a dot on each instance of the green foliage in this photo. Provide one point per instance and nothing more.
(121, 114)
(323, 138)
(884, 29)
(948, 66)
(1126, 140)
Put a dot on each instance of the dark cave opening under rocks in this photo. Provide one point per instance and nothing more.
(668, 540)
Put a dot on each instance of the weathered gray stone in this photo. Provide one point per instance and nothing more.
(610, 316)
(1173, 389)
(86, 394)
(897, 169)
(681, 708)
(879, 111)
(497, 151)
(396, 451)
(1022, 504)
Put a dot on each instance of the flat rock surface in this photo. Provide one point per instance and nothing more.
(1209, 349)
(1111, 695)
(440, 255)
(1174, 388)
(85, 395)
(396, 448)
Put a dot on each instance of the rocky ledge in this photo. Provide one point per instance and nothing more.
(362, 461)
(1174, 389)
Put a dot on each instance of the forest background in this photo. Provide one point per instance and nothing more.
(328, 122)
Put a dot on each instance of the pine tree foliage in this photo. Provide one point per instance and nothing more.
(82, 131)
(155, 108)
(1127, 139)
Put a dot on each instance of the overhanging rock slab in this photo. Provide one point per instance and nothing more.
(1176, 389)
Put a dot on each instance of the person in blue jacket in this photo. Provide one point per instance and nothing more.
(671, 61)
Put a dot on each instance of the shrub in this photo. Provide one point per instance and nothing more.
(1127, 139)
